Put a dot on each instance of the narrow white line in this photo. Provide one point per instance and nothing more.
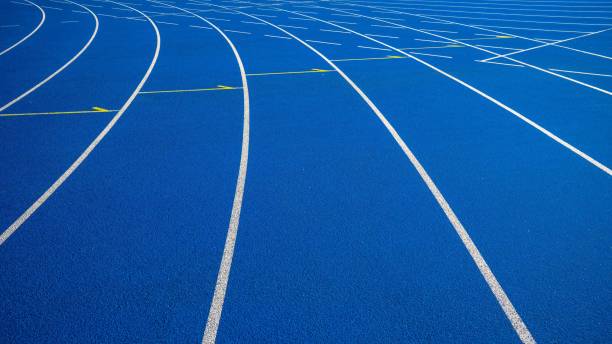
(267, 16)
(35, 87)
(520, 21)
(434, 22)
(501, 63)
(433, 55)
(69, 21)
(485, 270)
(432, 41)
(443, 31)
(529, 29)
(20, 3)
(273, 36)
(554, 43)
(387, 18)
(485, 35)
(84, 12)
(218, 19)
(372, 48)
(493, 100)
(381, 36)
(496, 47)
(234, 31)
(9, 26)
(52, 8)
(336, 31)
(163, 22)
(294, 27)
(49, 192)
(321, 42)
(343, 15)
(250, 22)
(342, 22)
(385, 26)
(295, 18)
(43, 16)
(216, 306)
(200, 27)
(576, 72)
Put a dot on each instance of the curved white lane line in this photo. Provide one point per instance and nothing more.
(91, 38)
(43, 16)
(481, 93)
(15, 225)
(478, 48)
(216, 306)
(499, 293)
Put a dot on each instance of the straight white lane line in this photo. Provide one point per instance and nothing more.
(372, 48)
(486, 29)
(43, 16)
(235, 31)
(554, 43)
(322, 42)
(49, 192)
(336, 31)
(35, 87)
(584, 73)
(501, 63)
(443, 31)
(381, 36)
(432, 55)
(216, 306)
(486, 272)
(200, 27)
(274, 36)
(485, 50)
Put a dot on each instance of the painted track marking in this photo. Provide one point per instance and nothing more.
(43, 16)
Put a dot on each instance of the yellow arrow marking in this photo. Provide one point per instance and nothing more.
(218, 88)
(99, 109)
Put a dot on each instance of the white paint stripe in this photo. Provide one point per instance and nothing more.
(443, 31)
(294, 27)
(336, 31)
(273, 36)
(294, 18)
(381, 36)
(216, 307)
(250, 22)
(321, 42)
(49, 192)
(372, 48)
(69, 21)
(553, 43)
(578, 82)
(342, 22)
(9, 26)
(163, 22)
(501, 63)
(433, 55)
(486, 272)
(200, 27)
(520, 21)
(432, 41)
(576, 72)
(234, 31)
(43, 16)
(496, 47)
(52, 8)
(493, 100)
(35, 87)
(218, 19)
(434, 22)
(530, 29)
(384, 26)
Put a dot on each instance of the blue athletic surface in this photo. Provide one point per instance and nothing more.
(417, 171)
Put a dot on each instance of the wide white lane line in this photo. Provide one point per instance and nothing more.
(486, 29)
(484, 95)
(49, 192)
(35, 87)
(216, 306)
(505, 303)
(462, 42)
(554, 43)
(43, 16)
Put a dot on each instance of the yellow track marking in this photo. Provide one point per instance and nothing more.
(313, 70)
(218, 88)
(94, 109)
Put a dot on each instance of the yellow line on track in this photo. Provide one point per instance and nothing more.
(94, 110)
(218, 88)
(313, 70)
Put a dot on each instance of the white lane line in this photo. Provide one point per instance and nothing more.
(295, 18)
(250, 22)
(343, 15)
(20, 3)
(321, 42)
(200, 27)
(385, 26)
(493, 100)
(218, 19)
(496, 47)
(520, 21)
(52, 8)
(578, 82)
(485, 270)
(501, 63)
(216, 306)
(35, 87)
(481, 28)
(43, 16)
(274, 36)
(49, 192)
(69, 21)
(432, 41)
(529, 28)
(342, 22)
(576, 72)
(335, 31)
(484, 35)
(77, 11)
(294, 27)
(372, 48)
(443, 31)
(381, 36)
(235, 31)
(9, 26)
(433, 55)
(164, 22)
(267, 16)
(434, 22)
(554, 43)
